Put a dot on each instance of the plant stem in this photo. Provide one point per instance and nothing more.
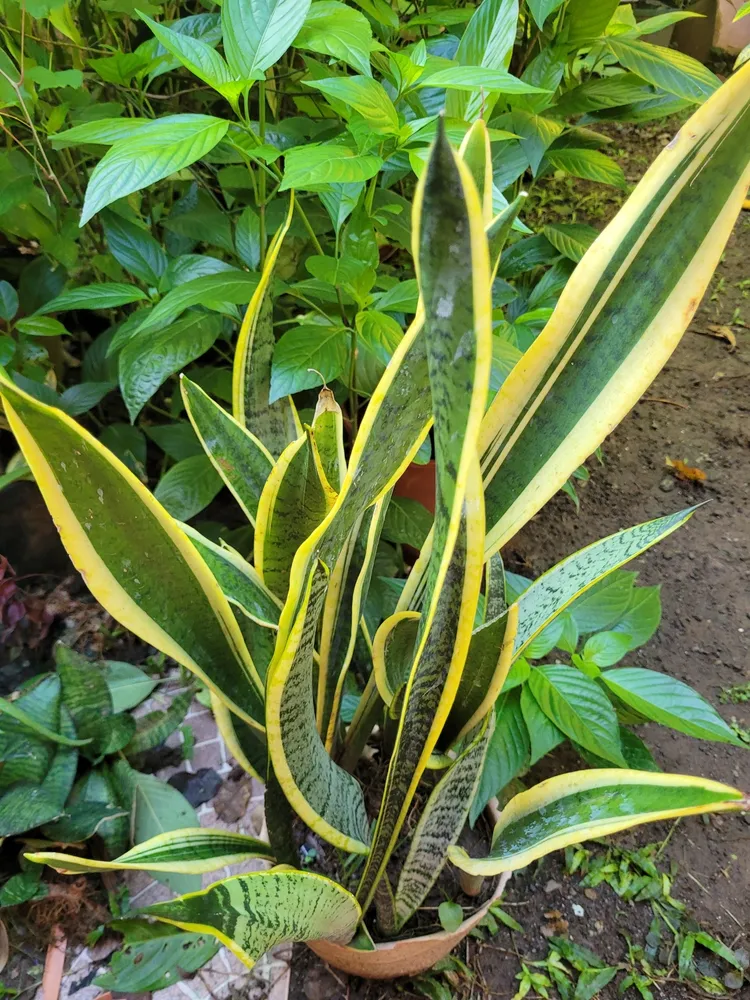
(261, 175)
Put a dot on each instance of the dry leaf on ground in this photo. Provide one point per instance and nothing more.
(687, 472)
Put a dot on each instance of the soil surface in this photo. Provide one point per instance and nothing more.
(697, 411)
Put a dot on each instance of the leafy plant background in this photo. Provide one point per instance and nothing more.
(150, 151)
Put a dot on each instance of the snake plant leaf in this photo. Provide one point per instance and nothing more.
(26, 756)
(12, 709)
(191, 851)
(495, 602)
(453, 273)
(135, 560)
(620, 316)
(328, 431)
(487, 666)
(25, 806)
(555, 590)
(238, 580)
(571, 808)
(274, 424)
(242, 461)
(476, 153)
(393, 650)
(324, 796)
(295, 500)
(252, 913)
(342, 616)
(440, 824)
(245, 744)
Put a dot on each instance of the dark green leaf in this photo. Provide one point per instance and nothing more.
(257, 34)
(102, 296)
(578, 706)
(323, 348)
(134, 248)
(668, 701)
(128, 685)
(407, 521)
(188, 487)
(450, 915)
(507, 755)
(306, 167)
(148, 360)
(8, 301)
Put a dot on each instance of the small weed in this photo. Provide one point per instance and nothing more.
(736, 694)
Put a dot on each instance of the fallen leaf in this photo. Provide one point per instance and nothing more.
(722, 333)
(688, 473)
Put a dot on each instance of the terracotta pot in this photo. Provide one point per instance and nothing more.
(418, 483)
(402, 958)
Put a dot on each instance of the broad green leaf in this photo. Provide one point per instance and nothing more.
(336, 30)
(668, 69)
(176, 440)
(606, 648)
(366, 96)
(605, 602)
(137, 562)
(83, 820)
(128, 443)
(326, 797)
(579, 708)
(477, 78)
(258, 32)
(590, 164)
(586, 21)
(669, 702)
(306, 347)
(440, 825)
(603, 92)
(240, 459)
(40, 326)
(572, 239)
(454, 279)
(201, 59)
(156, 152)
(185, 851)
(128, 685)
(294, 501)
(134, 248)
(104, 131)
(340, 200)
(274, 424)
(104, 296)
(507, 754)
(238, 580)
(541, 9)
(642, 617)
(543, 734)
(252, 913)
(488, 42)
(378, 336)
(8, 301)
(407, 521)
(155, 956)
(571, 808)
(12, 709)
(306, 167)
(149, 359)
(247, 237)
(401, 297)
(153, 728)
(188, 487)
(213, 291)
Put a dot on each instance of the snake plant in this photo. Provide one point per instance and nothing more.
(272, 636)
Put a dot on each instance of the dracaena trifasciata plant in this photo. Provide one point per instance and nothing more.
(273, 636)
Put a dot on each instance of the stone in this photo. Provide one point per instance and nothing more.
(199, 787)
